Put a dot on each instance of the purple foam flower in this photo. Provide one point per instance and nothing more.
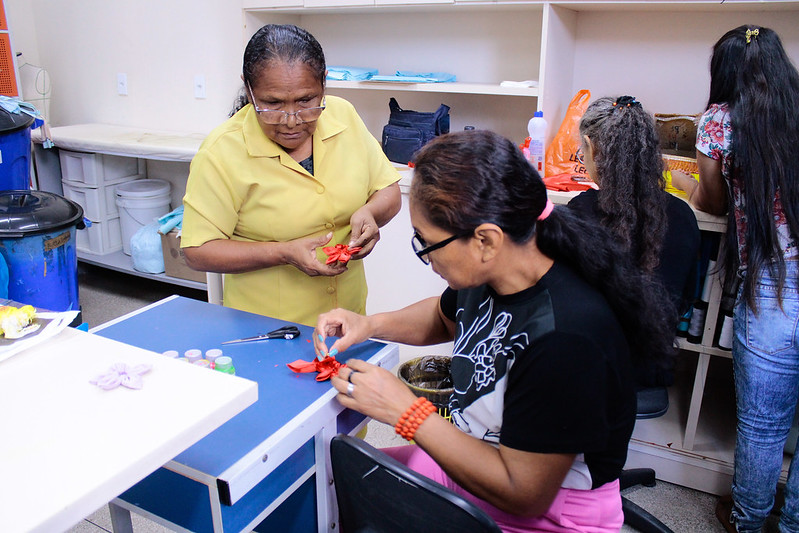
(129, 376)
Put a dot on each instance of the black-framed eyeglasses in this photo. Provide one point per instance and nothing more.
(421, 248)
(273, 116)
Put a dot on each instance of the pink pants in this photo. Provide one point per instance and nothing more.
(588, 511)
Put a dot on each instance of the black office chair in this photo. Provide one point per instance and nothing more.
(652, 403)
(378, 494)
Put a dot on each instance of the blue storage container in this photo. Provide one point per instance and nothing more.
(15, 150)
(37, 243)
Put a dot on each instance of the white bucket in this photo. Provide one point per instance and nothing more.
(140, 202)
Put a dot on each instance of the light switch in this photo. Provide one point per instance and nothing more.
(199, 86)
(122, 83)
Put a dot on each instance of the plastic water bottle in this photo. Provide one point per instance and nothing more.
(537, 129)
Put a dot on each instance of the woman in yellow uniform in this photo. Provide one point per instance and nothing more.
(291, 172)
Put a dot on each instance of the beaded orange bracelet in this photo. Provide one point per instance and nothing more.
(411, 419)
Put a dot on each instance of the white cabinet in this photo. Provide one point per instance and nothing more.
(657, 51)
(482, 44)
(157, 154)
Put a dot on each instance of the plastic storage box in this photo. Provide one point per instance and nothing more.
(93, 170)
(98, 203)
(100, 238)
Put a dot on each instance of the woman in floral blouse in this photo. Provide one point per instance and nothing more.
(746, 151)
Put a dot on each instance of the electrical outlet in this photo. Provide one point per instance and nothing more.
(122, 84)
(199, 86)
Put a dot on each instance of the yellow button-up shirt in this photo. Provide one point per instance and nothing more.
(245, 187)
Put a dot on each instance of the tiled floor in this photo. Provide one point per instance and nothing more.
(105, 295)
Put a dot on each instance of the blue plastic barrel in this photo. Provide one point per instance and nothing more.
(15, 150)
(37, 243)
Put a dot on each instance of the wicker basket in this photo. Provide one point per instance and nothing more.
(429, 377)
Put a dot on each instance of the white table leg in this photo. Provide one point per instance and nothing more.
(120, 519)
(326, 507)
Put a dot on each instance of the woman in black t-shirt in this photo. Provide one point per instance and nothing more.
(544, 311)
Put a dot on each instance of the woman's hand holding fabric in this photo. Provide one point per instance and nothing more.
(352, 328)
(365, 232)
(301, 253)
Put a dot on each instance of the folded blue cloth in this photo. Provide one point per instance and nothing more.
(17, 106)
(437, 77)
(402, 79)
(350, 73)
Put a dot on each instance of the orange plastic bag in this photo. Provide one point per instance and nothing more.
(564, 155)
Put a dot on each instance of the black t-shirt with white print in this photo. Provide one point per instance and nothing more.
(544, 370)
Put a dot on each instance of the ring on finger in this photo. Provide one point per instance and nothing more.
(350, 389)
(349, 377)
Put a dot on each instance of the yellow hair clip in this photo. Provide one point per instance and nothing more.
(751, 33)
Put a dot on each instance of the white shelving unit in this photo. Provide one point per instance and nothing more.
(166, 156)
(657, 50)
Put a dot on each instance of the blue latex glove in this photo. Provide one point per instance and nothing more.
(173, 219)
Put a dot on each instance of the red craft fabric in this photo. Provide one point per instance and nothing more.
(340, 252)
(327, 367)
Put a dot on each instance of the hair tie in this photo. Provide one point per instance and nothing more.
(751, 33)
(547, 210)
(626, 101)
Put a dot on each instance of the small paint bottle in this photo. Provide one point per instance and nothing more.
(224, 364)
(213, 354)
(205, 363)
(193, 355)
(172, 354)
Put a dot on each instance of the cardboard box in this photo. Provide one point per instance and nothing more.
(174, 262)
(677, 133)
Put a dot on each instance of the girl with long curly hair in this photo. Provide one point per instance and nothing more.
(623, 156)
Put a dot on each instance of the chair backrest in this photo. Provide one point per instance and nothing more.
(377, 493)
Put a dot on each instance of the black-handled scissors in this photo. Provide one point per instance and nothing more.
(286, 332)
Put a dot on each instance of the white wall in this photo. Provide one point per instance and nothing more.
(160, 44)
(637, 56)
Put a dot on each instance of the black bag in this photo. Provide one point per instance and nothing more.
(407, 131)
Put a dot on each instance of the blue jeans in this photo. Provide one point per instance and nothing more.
(766, 365)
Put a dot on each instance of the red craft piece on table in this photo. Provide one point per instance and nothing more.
(327, 367)
(340, 252)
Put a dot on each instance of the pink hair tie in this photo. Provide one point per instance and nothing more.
(547, 210)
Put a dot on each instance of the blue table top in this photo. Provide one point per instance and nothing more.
(182, 323)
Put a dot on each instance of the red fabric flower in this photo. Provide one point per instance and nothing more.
(340, 252)
(327, 367)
